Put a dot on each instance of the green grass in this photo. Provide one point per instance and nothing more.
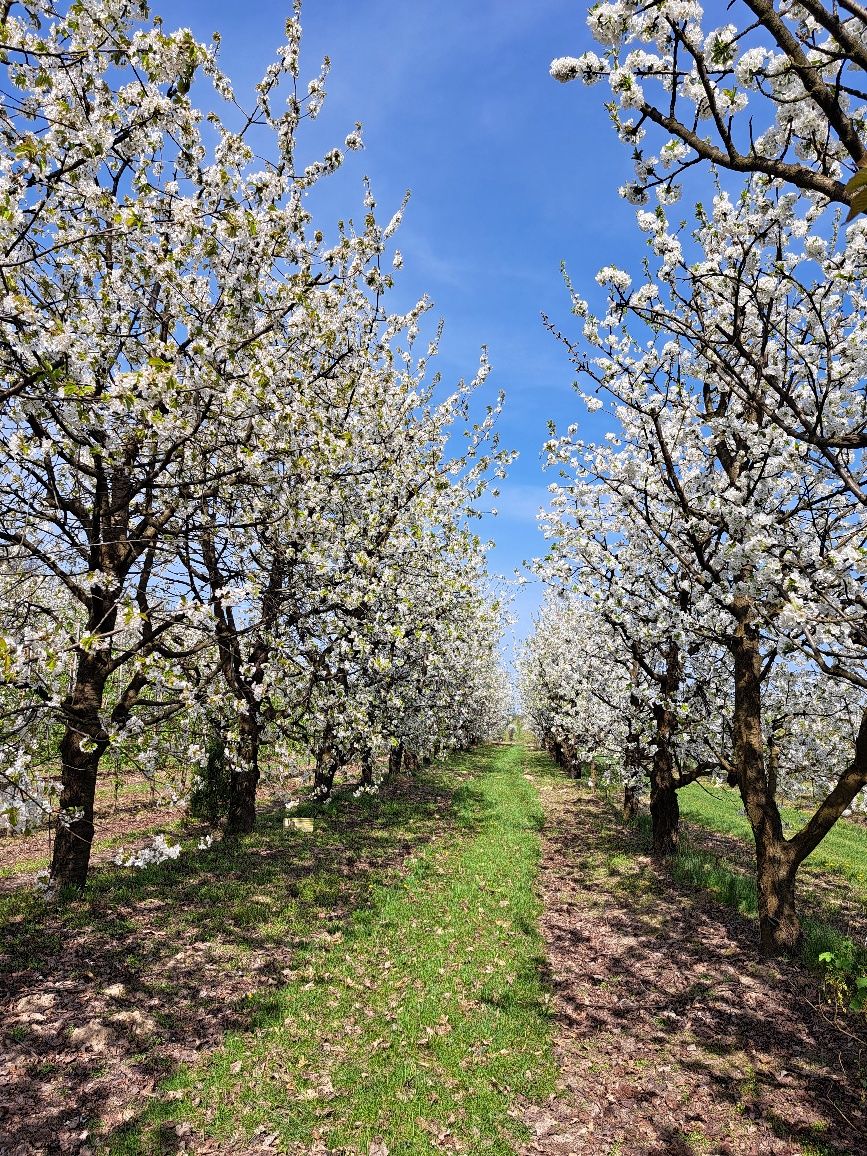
(720, 810)
(423, 1016)
(843, 850)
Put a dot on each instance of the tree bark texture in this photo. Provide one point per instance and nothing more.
(664, 807)
(776, 865)
(79, 769)
(241, 816)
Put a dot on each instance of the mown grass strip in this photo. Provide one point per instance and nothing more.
(419, 1024)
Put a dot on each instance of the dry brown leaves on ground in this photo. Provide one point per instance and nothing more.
(113, 998)
(674, 1037)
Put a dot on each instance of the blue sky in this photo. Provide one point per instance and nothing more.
(510, 173)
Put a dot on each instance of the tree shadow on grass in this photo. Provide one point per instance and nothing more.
(665, 990)
(108, 994)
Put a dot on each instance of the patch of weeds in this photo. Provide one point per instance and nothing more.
(619, 863)
(698, 1141)
(844, 976)
(700, 869)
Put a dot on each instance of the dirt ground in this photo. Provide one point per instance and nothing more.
(674, 1037)
(103, 999)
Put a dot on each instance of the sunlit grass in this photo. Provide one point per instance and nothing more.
(421, 1017)
(843, 850)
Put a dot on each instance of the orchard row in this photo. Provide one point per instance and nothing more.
(233, 516)
(708, 556)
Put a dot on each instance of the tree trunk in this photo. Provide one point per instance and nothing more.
(630, 803)
(664, 807)
(776, 865)
(79, 768)
(241, 817)
(327, 762)
(632, 755)
(395, 759)
(664, 812)
(367, 769)
(73, 839)
(779, 925)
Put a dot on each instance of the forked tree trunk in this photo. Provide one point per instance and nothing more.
(776, 865)
(777, 858)
(79, 769)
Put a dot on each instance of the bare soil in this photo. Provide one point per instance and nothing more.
(674, 1037)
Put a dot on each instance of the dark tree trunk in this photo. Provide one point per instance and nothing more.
(395, 759)
(327, 762)
(241, 816)
(664, 812)
(367, 769)
(569, 761)
(73, 839)
(632, 755)
(79, 768)
(630, 803)
(664, 807)
(779, 926)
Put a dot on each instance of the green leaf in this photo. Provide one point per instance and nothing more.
(858, 204)
(858, 181)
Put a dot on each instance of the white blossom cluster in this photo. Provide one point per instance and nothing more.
(231, 517)
(159, 851)
(773, 91)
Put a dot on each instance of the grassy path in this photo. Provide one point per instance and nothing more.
(674, 1037)
(423, 1021)
(374, 984)
(380, 985)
